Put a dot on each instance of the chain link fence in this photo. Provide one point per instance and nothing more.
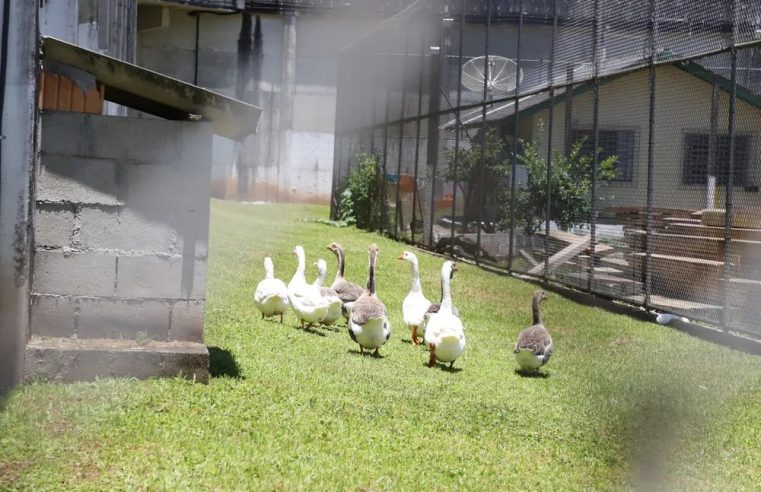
(613, 146)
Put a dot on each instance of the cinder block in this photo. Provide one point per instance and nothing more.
(123, 319)
(173, 277)
(62, 133)
(77, 180)
(52, 316)
(53, 226)
(193, 232)
(111, 137)
(165, 187)
(187, 321)
(144, 140)
(144, 230)
(87, 274)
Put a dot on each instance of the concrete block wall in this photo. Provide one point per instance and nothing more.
(120, 240)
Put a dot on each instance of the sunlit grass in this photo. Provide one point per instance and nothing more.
(624, 403)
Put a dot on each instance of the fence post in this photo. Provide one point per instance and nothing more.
(516, 120)
(415, 195)
(397, 208)
(728, 207)
(595, 145)
(432, 154)
(382, 180)
(481, 173)
(455, 180)
(650, 156)
(550, 118)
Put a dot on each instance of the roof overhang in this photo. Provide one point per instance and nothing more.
(157, 94)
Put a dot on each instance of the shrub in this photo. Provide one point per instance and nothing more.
(570, 186)
(360, 201)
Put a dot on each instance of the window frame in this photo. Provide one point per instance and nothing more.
(743, 145)
(627, 176)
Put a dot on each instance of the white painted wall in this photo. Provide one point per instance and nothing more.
(683, 104)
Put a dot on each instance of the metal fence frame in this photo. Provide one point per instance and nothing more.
(464, 18)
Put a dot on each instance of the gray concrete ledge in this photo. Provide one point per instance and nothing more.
(68, 360)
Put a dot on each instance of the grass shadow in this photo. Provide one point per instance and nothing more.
(532, 374)
(222, 363)
(368, 353)
(443, 367)
(311, 331)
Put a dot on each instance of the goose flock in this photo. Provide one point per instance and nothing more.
(438, 325)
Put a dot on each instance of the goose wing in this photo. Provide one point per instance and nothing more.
(535, 338)
(367, 308)
(347, 291)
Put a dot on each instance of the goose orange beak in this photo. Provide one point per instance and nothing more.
(400, 257)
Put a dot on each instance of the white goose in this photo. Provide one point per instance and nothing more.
(307, 301)
(271, 295)
(368, 320)
(415, 304)
(533, 348)
(334, 311)
(444, 333)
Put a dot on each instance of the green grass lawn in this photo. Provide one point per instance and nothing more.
(623, 403)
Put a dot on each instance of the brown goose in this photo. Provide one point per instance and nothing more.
(534, 346)
(368, 321)
(347, 291)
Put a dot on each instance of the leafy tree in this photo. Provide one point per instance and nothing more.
(360, 201)
(570, 186)
(466, 163)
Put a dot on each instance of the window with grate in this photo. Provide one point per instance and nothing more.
(611, 142)
(696, 158)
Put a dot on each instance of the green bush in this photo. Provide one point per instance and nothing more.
(360, 201)
(570, 186)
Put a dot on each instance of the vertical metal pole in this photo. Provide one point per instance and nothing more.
(728, 206)
(650, 156)
(397, 206)
(195, 58)
(373, 115)
(415, 196)
(595, 144)
(516, 143)
(382, 180)
(550, 118)
(433, 128)
(455, 178)
(481, 172)
(713, 126)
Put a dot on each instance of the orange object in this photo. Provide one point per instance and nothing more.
(406, 183)
(60, 93)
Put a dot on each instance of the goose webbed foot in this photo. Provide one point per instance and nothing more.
(376, 354)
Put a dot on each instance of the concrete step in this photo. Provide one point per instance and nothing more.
(71, 359)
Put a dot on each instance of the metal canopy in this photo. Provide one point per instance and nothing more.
(154, 93)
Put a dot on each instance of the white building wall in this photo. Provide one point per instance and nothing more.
(683, 104)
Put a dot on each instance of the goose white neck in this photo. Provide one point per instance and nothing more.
(322, 273)
(269, 268)
(415, 287)
(299, 275)
(446, 297)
